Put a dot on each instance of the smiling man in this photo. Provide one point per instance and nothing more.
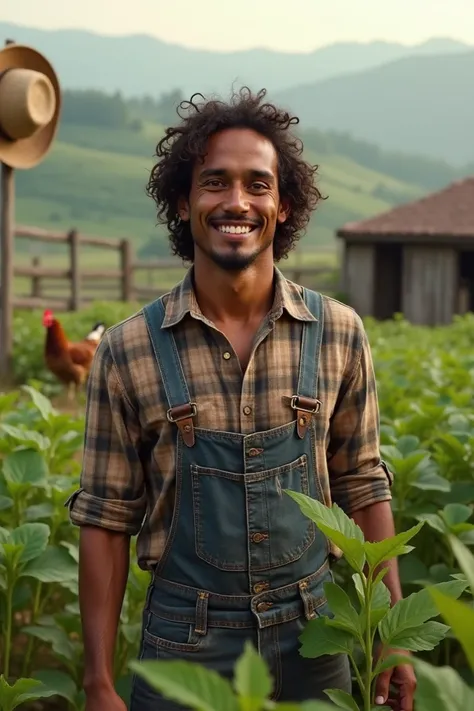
(208, 403)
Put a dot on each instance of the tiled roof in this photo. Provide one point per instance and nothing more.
(448, 212)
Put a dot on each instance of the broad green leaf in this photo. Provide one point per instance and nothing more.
(381, 551)
(41, 402)
(464, 558)
(22, 690)
(455, 514)
(430, 481)
(341, 606)
(29, 438)
(303, 706)
(5, 503)
(422, 638)
(38, 511)
(33, 536)
(393, 660)
(336, 525)
(189, 684)
(252, 680)
(415, 609)
(61, 644)
(318, 639)
(441, 689)
(55, 565)
(25, 466)
(58, 683)
(460, 617)
(342, 699)
(435, 521)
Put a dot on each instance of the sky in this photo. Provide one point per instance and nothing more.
(285, 25)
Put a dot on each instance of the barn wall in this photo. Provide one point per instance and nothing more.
(429, 284)
(359, 277)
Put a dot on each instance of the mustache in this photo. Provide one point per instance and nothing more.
(235, 218)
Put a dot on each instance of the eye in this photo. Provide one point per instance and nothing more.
(214, 183)
(259, 186)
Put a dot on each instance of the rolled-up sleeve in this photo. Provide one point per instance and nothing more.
(358, 476)
(112, 486)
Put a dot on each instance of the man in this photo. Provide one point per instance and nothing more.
(208, 403)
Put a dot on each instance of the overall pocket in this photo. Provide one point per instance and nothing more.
(242, 517)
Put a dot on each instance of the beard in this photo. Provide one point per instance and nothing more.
(235, 261)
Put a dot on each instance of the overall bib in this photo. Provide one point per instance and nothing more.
(241, 561)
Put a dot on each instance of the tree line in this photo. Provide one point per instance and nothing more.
(95, 108)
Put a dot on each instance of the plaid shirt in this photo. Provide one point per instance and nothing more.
(128, 473)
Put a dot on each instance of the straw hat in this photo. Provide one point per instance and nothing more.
(30, 102)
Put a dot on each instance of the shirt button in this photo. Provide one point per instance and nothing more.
(254, 452)
(247, 410)
(260, 587)
(258, 537)
(226, 355)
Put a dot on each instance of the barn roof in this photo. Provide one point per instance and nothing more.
(445, 213)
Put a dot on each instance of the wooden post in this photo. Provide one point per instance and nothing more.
(7, 210)
(7, 222)
(126, 267)
(73, 239)
(36, 280)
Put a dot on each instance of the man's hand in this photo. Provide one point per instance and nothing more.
(403, 678)
(104, 700)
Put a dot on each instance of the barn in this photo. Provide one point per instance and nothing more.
(416, 259)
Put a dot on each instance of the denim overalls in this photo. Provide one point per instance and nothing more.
(241, 561)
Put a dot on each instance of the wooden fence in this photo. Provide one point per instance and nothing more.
(80, 286)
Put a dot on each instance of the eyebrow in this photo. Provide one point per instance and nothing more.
(209, 172)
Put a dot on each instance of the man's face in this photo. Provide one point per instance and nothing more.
(234, 205)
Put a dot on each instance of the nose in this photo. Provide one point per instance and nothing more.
(236, 200)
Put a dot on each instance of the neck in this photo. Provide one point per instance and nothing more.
(242, 296)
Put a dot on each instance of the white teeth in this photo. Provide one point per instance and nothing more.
(233, 230)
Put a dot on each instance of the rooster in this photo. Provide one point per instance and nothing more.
(70, 362)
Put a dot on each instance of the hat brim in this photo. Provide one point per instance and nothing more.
(28, 152)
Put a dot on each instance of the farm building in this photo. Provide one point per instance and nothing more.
(416, 259)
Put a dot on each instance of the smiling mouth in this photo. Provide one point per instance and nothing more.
(232, 229)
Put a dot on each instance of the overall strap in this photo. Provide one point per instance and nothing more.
(306, 402)
(181, 409)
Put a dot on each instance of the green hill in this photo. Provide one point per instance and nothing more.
(415, 104)
(94, 180)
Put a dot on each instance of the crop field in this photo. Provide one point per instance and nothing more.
(426, 394)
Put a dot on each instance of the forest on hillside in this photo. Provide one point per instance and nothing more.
(95, 108)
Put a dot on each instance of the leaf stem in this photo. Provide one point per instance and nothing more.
(32, 640)
(8, 627)
(367, 693)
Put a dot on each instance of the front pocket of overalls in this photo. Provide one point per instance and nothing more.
(237, 515)
(169, 634)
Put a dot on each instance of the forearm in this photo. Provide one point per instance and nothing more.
(103, 570)
(376, 522)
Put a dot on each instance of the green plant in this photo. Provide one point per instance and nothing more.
(40, 630)
(407, 625)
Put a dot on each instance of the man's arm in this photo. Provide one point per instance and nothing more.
(103, 572)
(109, 507)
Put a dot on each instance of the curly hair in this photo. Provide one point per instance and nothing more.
(182, 145)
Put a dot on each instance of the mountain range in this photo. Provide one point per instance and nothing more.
(141, 64)
(404, 98)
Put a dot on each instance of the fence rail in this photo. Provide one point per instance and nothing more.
(67, 288)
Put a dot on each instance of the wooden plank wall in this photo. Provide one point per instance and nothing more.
(429, 284)
(359, 277)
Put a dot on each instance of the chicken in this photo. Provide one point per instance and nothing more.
(70, 362)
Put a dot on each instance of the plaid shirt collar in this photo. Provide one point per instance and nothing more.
(182, 300)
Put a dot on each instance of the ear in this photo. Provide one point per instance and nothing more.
(283, 210)
(183, 209)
